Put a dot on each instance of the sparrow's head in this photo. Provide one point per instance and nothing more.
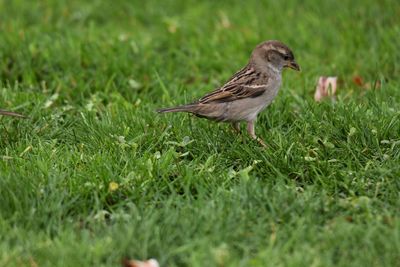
(275, 55)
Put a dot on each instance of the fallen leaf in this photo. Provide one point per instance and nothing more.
(374, 85)
(349, 219)
(326, 87)
(136, 263)
(377, 84)
(357, 80)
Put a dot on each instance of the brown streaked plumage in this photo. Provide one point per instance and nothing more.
(248, 91)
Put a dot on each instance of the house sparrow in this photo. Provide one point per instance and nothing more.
(248, 91)
(10, 113)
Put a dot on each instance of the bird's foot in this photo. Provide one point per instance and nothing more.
(250, 130)
(261, 142)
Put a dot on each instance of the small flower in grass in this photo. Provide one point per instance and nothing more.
(113, 186)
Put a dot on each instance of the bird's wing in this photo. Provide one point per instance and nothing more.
(234, 92)
(247, 83)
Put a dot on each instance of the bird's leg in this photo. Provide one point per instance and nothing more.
(236, 127)
(250, 130)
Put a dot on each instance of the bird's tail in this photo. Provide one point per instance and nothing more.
(185, 108)
(10, 113)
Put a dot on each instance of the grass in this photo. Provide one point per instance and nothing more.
(95, 175)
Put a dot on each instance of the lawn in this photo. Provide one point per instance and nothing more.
(95, 175)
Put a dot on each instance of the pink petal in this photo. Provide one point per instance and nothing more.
(326, 87)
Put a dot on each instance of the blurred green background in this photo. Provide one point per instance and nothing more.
(94, 175)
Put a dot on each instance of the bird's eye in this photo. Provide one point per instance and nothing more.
(286, 57)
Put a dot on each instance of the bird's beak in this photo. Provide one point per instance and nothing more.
(293, 65)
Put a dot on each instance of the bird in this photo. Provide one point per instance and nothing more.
(248, 91)
(12, 114)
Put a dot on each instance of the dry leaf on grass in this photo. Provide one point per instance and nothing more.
(358, 80)
(136, 263)
(326, 87)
